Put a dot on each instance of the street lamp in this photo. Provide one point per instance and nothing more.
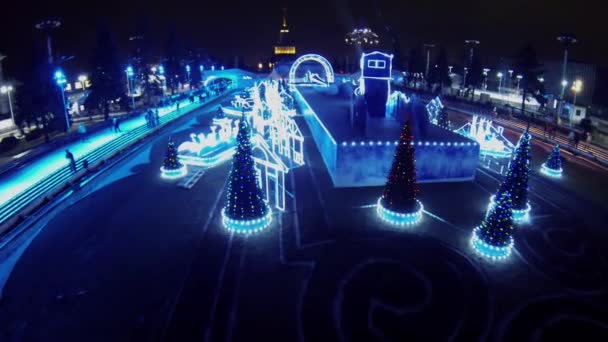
(464, 77)
(519, 77)
(161, 71)
(213, 68)
(499, 75)
(566, 40)
(188, 73)
(129, 71)
(450, 69)
(485, 78)
(576, 88)
(7, 90)
(60, 79)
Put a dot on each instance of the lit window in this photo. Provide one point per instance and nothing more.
(376, 64)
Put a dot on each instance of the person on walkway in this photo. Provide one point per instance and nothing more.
(69, 156)
(577, 138)
(82, 130)
(116, 124)
(571, 137)
(148, 118)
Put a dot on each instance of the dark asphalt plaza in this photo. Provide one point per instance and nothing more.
(132, 257)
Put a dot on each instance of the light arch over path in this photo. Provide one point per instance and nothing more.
(329, 71)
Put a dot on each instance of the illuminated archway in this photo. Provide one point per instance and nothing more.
(329, 71)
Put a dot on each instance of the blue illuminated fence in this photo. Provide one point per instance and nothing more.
(62, 174)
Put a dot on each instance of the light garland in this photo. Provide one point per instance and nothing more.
(396, 142)
(518, 215)
(174, 173)
(208, 161)
(551, 172)
(247, 226)
(399, 219)
(488, 251)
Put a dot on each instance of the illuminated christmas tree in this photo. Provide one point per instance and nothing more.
(516, 180)
(398, 204)
(443, 120)
(493, 238)
(553, 166)
(245, 210)
(172, 168)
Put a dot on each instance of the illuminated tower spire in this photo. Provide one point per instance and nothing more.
(284, 47)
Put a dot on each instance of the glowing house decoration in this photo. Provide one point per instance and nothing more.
(270, 171)
(329, 71)
(491, 139)
(376, 68)
(434, 107)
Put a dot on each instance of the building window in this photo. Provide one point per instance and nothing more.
(376, 64)
(577, 112)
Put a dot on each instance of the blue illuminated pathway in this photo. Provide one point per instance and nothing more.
(16, 183)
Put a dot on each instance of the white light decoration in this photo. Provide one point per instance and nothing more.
(247, 226)
(395, 103)
(399, 219)
(488, 251)
(329, 71)
(490, 139)
(434, 107)
(174, 174)
(551, 172)
(518, 215)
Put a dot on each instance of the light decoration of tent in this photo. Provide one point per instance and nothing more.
(434, 107)
(284, 140)
(490, 138)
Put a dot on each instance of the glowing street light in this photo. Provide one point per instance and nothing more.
(129, 71)
(576, 88)
(188, 72)
(83, 81)
(519, 77)
(7, 90)
(61, 81)
(260, 66)
(499, 75)
(485, 78)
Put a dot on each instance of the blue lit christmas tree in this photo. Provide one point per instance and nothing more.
(398, 204)
(172, 168)
(245, 210)
(553, 166)
(516, 180)
(493, 238)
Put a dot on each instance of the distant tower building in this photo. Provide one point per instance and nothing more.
(285, 48)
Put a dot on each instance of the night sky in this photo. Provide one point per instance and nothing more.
(250, 28)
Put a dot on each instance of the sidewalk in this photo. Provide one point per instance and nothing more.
(15, 186)
(590, 151)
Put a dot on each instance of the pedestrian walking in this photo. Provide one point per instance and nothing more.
(577, 138)
(116, 124)
(571, 137)
(156, 118)
(69, 156)
(82, 131)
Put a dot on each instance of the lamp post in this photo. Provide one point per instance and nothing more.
(7, 90)
(428, 59)
(499, 75)
(83, 83)
(576, 88)
(61, 81)
(510, 81)
(161, 71)
(130, 73)
(485, 78)
(188, 75)
(519, 77)
(566, 40)
(464, 77)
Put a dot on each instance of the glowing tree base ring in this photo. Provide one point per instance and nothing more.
(174, 173)
(399, 219)
(247, 226)
(547, 171)
(518, 215)
(486, 250)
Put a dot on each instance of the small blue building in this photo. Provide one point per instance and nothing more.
(376, 68)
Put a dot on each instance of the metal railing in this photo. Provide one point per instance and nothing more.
(61, 176)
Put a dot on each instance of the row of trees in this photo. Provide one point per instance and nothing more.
(38, 95)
